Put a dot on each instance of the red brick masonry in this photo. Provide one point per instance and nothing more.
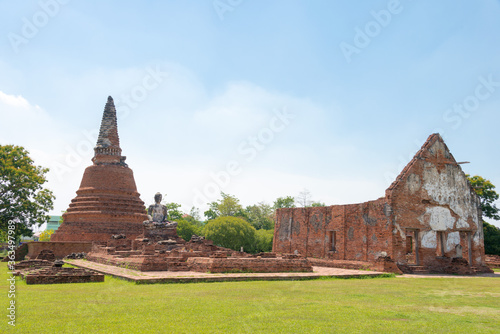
(429, 213)
(107, 201)
(60, 249)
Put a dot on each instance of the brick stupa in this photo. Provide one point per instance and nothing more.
(107, 201)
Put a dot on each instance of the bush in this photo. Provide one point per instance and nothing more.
(186, 229)
(491, 239)
(231, 232)
(264, 241)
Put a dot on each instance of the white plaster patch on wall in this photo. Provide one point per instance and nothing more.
(428, 239)
(398, 228)
(440, 219)
(452, 240)
(476, 238)
(461, 223)
(450, 187)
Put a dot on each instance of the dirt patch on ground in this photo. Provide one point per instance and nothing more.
(465, 310)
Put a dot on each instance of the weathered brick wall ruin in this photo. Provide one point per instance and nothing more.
(340, 232)
(60, 249)
(160, 249)
(429, 213)
(52, 275)
(248, 265)
(436, 213)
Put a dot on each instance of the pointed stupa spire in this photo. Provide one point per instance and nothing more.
(108, 149)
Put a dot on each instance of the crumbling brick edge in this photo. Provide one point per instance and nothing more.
(234, 277)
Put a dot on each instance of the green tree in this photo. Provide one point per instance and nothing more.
(212, 212)
(186, 229)
(173, 211)
(4, 236)
(194, 213)
(314, 204)
(486, 192)
(260, 216)
(284, 202)
(228, 205)
(23, 199)
(263, 241)
(491, 239)
(231, 232)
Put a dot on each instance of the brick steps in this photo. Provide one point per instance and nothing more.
(419, 269)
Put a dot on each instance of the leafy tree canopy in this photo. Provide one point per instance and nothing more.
(284, 202)
(491, 239)
(260, 216)
(263, 241)
(313, 204)
(486, 192)
(194, 214)
(23, 199)
(173, 211)
(186, 229)
(231, 232)
(228, 205)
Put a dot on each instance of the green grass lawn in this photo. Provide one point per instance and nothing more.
(380, 305)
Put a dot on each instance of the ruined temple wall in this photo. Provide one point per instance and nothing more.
(430, 214)
(432, 196)
(342, 232)
(60, 249)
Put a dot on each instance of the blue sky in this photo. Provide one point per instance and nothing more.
(265, 97)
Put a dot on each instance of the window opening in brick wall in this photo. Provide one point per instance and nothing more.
(409, 244)
(412, 247)
(331, 241)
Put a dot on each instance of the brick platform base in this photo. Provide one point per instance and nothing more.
(250, 265)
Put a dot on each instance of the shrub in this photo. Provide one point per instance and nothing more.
(231, 232)
(263, 241)
(186, 229)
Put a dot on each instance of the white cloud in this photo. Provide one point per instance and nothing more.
(22, 122)
(14, 101)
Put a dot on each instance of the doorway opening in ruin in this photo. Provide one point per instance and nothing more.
(412, 247)
(331, 241)
(440, 250)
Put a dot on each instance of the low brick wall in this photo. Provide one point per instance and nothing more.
(59, 248)
(255, 265)
(344, 264)
(33, 264)
(62, 275)
(130, 263)
(493, 261)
